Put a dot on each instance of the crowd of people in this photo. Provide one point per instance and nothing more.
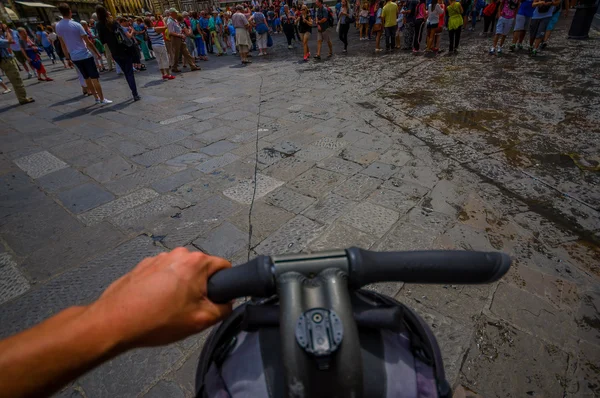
(106, 43)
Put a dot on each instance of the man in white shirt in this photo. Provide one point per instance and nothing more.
(77, 46)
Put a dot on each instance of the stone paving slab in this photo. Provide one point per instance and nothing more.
(39, 164)
(84, 197)
(12, 282)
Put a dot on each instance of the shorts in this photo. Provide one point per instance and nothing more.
(553, 21)
(363, 20)
(305, 35)
(522, 23)
(538, 27)
(20, 57)
(432, 26)
(323, 36)
(87, 68)
(503, 26)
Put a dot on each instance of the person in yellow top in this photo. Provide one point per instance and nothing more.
(455, 24)
(389, 16)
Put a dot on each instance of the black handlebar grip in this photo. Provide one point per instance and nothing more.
(254, 278)
(442, 267)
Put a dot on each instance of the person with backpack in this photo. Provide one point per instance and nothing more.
(489, 16)
(455, 24)
(121, 44)
(323, 16)
(522, 21)
(506, 17)
(539, 22)
(262, 30)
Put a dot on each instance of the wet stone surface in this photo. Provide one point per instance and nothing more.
(382, 151)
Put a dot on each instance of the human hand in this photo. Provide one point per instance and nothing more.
(70, 63)
(162, 300)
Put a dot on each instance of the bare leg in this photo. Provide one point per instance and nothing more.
(319, 44)
(496, 40)
(91, 89)
(502, 40)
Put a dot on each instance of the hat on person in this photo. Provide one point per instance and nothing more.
(185, 13)
(173, 9)
(215, 12)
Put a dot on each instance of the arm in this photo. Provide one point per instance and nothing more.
(161, 29)
(90, 45)
(65, 51)
(162, 300)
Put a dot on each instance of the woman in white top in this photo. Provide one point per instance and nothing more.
(433, 20)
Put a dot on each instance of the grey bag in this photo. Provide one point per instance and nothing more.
(400, 356)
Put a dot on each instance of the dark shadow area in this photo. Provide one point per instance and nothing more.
(113, 108)
(68, 101)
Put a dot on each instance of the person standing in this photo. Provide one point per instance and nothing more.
(262, 31)
(322, 16)
(140, 35)
(522, 21)
(378, 27)
(242, 37)
(389, 17)
(433, 20)
(42, 37)
(9, 66)
(213, 28)
(31, 51)
(539, 22)
(78, 48)
(455, 24)
(420, 17)
(55, 43)
(158, 46)
(288, 21)
(204, 26)
(506, 17)
(344, 23)
(121, 45)
(15, 48)
(305, 24)
(409, 24)
(178, 43)
(198, 39)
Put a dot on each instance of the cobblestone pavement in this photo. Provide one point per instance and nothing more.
(386, 152)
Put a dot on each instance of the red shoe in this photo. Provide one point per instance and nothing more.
(165, 77)
(170, 77)
(48, 79)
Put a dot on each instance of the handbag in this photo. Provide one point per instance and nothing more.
(337, 28)
(376, 27)
(269, 40)
(262, 28)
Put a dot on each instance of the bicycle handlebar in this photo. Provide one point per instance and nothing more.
(258, 277)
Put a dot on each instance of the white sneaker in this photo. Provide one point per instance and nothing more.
(98, 102)
(29, 75)
(499, 50)
(8, 90)
(492, 50)
(106, 102)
